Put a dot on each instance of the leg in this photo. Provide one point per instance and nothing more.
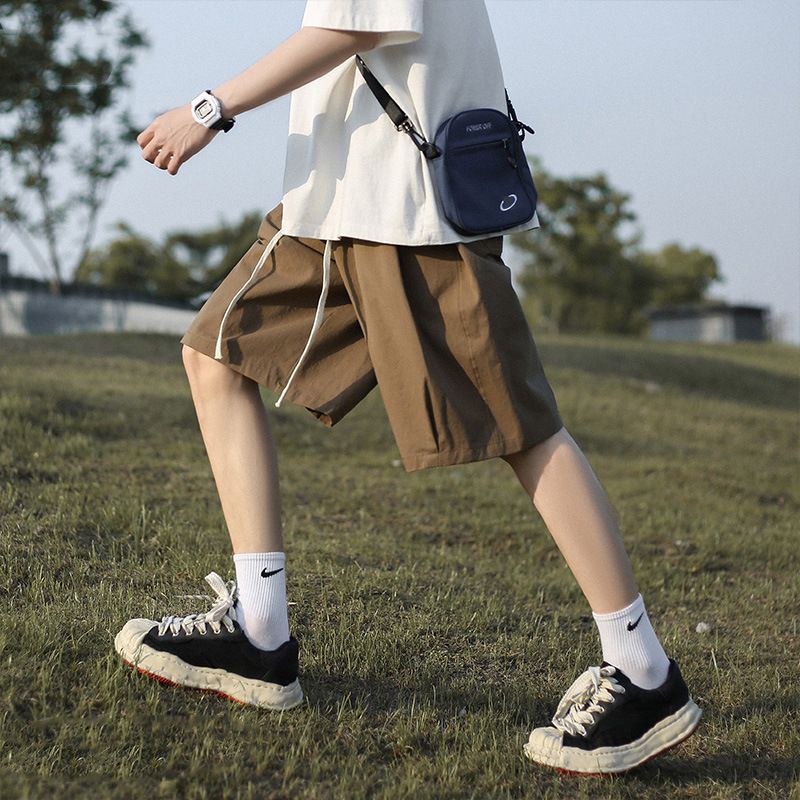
(576, 510)
(241, 647)
(240, 447)
(244, 462)
(579, 516)
(592, 732)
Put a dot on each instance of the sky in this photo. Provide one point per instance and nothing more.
(690, 106)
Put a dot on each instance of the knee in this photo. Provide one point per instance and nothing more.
(206, 372)
(514, 460)
(194, 362)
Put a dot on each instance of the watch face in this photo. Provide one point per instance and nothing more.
(204, 110)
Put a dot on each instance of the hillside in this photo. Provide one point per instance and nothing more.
(437, 621)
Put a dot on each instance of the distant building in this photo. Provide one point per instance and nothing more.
(27, 307)
(715, 322)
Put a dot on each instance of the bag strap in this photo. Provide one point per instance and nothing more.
(403, 123)
(521, 126)
(396, 114)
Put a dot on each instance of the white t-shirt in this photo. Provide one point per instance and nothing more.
(349, 171)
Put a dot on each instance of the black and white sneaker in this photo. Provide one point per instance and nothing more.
(606, 724)
(210, 651)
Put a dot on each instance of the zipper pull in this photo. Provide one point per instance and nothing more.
(509, 153)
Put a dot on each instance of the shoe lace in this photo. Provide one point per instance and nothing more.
(582, 700)
(222, 612)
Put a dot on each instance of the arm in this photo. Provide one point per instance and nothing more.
(174, 137)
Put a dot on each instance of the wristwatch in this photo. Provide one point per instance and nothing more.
(207, 110)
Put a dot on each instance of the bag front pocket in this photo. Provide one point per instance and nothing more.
(486, 190)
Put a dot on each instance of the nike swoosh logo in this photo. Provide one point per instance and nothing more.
(631, 625)
(265, 573)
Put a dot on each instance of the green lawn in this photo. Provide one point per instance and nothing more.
(437, 620)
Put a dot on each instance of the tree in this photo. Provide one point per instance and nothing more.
(184, 265)
(583, 274)
(210, 255)
(682, 276)
(49, 77)
(132, 261)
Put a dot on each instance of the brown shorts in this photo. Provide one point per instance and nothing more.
(438, 327)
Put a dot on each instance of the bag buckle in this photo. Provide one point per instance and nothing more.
(428, 149)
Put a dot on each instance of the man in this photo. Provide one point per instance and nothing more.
(429, 315)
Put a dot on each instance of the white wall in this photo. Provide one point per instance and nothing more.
(710, 328)
(24, 312)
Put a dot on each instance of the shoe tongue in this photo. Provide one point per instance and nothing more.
(617, 670)
(619, 675)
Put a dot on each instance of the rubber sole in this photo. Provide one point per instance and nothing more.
(172, 671)
(668, 733)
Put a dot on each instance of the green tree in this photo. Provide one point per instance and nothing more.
(583, 273)
(210, 255)
(682, 276)
(182, 266)
(50, 77)
(132, 261)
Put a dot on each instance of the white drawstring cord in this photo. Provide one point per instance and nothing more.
(326, 271)
(245, 287)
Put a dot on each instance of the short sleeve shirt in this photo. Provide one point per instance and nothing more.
(349, 171)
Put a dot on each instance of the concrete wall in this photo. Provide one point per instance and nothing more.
(710, 328)
(750, 328)
(24, 312)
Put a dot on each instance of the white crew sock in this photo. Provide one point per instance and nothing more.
(261, 610)
(637, 652)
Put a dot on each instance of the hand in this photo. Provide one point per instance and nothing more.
(173, 138)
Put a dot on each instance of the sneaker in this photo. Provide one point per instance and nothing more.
(606, 724)
(210, 651)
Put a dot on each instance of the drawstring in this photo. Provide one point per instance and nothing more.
(244, 288)
(326, 271)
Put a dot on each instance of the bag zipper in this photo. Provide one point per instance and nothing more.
(506, 142)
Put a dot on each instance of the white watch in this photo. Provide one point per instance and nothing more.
(207, 110)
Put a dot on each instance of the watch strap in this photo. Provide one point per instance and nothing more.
(223, 124)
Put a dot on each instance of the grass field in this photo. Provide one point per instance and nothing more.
(437, 620)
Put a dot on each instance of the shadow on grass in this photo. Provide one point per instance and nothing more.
(704, 373)
(616, 444)
(726, 768)
(154, 348)
(380, 696)
(716, 377)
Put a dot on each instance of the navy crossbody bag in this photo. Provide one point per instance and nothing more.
(480, 171)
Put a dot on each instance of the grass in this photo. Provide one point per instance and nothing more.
(437, 620)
